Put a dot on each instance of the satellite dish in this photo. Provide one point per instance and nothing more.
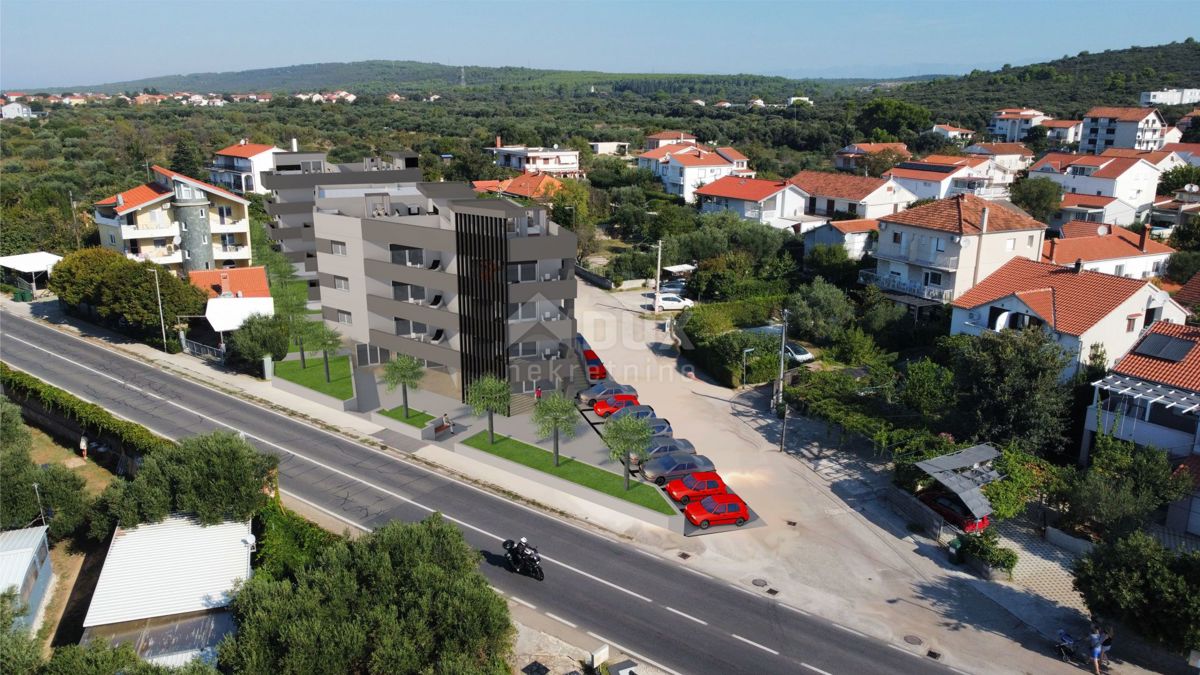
(175, 240)
(1103, 229)
(1191, 187)
(966, 243)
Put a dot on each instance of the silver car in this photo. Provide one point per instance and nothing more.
(660, 427)
(641, 412)
(661, 445)
(602, 390)
(674, 465)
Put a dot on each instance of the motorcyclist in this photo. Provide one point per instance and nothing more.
(525, 551)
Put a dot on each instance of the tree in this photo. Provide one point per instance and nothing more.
(187, 159)
(569, 205)
(1040, 197)
(404, 371)
(1175, 179)
(854, 347)
(879, 316)
(1023, 476)
(878, 163)
(325, 339)
(556, 414)
(492, 395)
(831, 262)
(1139, 583)
(819, 311)
(928, 389)
(1185, 236)
(1183, 265)
(627, 437)
(406, 598)
(895, 117)
(61, 491)
(14, 435)
(259, 336)
(1036, 139)
(80, 275)
(20, 654)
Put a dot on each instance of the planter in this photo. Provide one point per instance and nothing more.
(985, 570)
(1066, 542)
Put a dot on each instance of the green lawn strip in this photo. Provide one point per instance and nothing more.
(642, 494)
(416, 418)
(313, 376)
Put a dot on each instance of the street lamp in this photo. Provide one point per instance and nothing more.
(778, 397)
(745, 351)
(161, 322)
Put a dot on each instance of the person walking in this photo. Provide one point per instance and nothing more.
(1106, 645)
(1096, 647)
(537, 394)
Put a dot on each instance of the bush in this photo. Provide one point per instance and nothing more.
(715, 345)
(288, 542)
(986, 546)
(1182, 265)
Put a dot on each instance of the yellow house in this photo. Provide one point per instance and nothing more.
(179, 222)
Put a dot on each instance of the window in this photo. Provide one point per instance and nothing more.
(522, 272)
(1131, 323)
(523, 349)
(344, 317)
(939, 244)
(897, 237)
(522, 311)
(1156, 268)
(1120, 270)
(337, 247)
(183, 226)
(112, 238)
(852, 209)
(1029, 241)
(1010, 244)
(341, 283)
(933, 278)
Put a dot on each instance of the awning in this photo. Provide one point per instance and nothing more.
(679, 269)
(964, 473)
(227, 314)
(1160, 394)
(28, 263)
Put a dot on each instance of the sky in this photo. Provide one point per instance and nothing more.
(49, 43)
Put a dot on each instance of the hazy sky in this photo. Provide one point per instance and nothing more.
(59, 43)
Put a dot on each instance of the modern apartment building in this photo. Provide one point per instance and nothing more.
(1137, 128)
(179, 222)
(1170, 97)
(296, 181)
(237, 167)
(470, 286)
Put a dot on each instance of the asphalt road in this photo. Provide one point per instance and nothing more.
(666, 614)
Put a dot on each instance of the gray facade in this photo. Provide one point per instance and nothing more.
(471, 286)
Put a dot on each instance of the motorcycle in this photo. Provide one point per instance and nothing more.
(523, 563)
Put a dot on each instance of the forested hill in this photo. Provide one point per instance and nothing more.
(412, 77)
(1065, 88)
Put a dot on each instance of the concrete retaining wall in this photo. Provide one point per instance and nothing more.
(985, 570)
(398, 426)
(914, 511)
(593, 278)
(1067, 542)
(312, 395)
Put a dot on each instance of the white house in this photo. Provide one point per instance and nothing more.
(669, 137)
(1008, 159)
(952, 133)
(941, 176)
(1079, 308)
(1182, 206)
(1163, 160)
(1170, 97)
(556, 162)
(1063, 131)
(1152, 398)
(1093, 209)
(15, 110)
(860, 196)
(1013, 124)
(237, 167)
(771, 202)
(850, 157)
(1188, 152)
(615, 148)
(1112, 250)
(856, 236)
(1133, 180)
(1172, 135)
(793, 100)
(1110, 127)
(683, 168)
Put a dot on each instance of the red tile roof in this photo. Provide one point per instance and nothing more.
(662, 151)
(1152, 156)
(1083, 228)
(747, 189)
(1189, 295)
(699, 157)
(950, 128)
(952, 160)
(134, 198)
(1184, 373)
(1107, 166)
(1075, 301)
(1087, 201)
(1191, 148)
(1119, 243)
(1061, 124)
(962, 214)
(250, 281)
(1058, 161)
(853, 226)
(1004, 149)
(245, 150)
(1121, 114)
(527, 185)
(872, 148)
(671, 135)
(732, 155)
(836, 185)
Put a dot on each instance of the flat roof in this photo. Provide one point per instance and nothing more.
(227, 314)
(964, 473)
(27, 263)
(17, 547)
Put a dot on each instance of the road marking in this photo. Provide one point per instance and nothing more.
(324, 510)
(902, 650)
(795, 609)
(686, 616)
(856, 632)
(560, 619)
(327, 467)
(634, 654)
(530, 605)
(815, 669)
(753, 643)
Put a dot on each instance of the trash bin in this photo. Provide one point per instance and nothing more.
(954, 548)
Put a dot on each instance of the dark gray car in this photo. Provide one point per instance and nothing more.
(661, 445)
(660, 427)
(674, 465)
(602, 390)
(642, 412)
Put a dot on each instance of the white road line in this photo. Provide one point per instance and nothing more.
(851, 630)
(902, 650)
(634, 654)
(815, 669)
(560, 619)
(530, 605)
(752, 643)
(337, 471)
(795, 609)
(686, 616)
(697, 572)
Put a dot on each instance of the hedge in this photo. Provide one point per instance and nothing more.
(710, 346)
(986, 546)
(134, 438)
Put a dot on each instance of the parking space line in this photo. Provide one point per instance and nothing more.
(815, 669)
(672, 610)
(561, 620)
(752, 643)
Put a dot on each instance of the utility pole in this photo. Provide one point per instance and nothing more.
(658, 278)
(38, 494)
(783, 427)
(74, 218)
(745, 351)
(161, 322)
(778, 397)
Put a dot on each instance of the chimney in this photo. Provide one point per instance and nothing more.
(295, 146)
(242, 142)
(1142, 239)
(983, 218)
(498, 144)
(120, 200)
(1053, 247)
(1078, 265)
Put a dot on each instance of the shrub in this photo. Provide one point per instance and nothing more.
(986, 546)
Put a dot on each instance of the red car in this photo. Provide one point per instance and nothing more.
(595, 367)
(953, 510)
(717, 510)
(607, 406)
(696, 486)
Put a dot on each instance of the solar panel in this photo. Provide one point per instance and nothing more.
(933, 168)
(1151, 345)
(1165, 347)
(1176, 349)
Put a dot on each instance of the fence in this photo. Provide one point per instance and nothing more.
(202, 350)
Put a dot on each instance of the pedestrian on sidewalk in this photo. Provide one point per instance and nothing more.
(446, 422)
(1096, 645)
(537, 394)
(1106, 645)
(83, 446)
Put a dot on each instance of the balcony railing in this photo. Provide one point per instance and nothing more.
(148, 232)
(165, 256)
(918, 252)
(231, 251)
(984, 192)
(229, 226)
(889, 283)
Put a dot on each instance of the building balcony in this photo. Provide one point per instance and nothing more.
(115, 221)
(229, 226)
(917, 254)
(148, 232)
(888, 283)
(231, 251)
(981, 191)
(167, 256)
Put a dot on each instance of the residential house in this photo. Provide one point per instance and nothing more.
(856, 236)
(538, 186)
(1092, 209)
(1189, 296)
(237, 167)
(803, 100)
(953, 133)
(177, 221)
(1063, 132)
(1078, 307)
(683, 168)
(74, 100)
(469, 286)
(612, 148)
(234, 295)
(1188, 152)
(15, 111)
(1172, 135)
(669, 137)
(148, 99)
(1013, 124)
(1112, 250)
(770, 202)
(829, 194)
(722, 104)
(1188, 120)
(941, 176)
(936, 252)
(165, 588)
(1163, 160)
(1110, 127)
(25, 568)
(698, 102)
(850, 157)
(1169, 97)
(756, 103)
(1152, 398)
(556, 162)
(1132, 180)
(1167, 215)
(1008, 159)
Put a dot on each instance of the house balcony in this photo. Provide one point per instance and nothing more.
(167, 256)
(918, 253)
(231, 252)
(981, 191)
(144, 232)
(888, 283)
(115, 221)
(229, 226)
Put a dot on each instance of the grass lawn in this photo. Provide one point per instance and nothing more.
(313, 377)
(642, 494)
(416, 418)
(46, 451)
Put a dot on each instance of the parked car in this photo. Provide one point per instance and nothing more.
(674, 465)
(638, 411)
(581, 344)
(660, 427)
(674, 286)
(717, 510)
(696, 486)
(953, 510)
(662, 445)
(603, 390)
(607, 406)
(796, 352)
(595, 367)
(672, 302)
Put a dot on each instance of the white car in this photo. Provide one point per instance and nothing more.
(671, 302)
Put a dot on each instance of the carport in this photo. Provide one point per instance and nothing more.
(965, 473)
(26, 268)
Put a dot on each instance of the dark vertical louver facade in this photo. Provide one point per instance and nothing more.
(483, 295)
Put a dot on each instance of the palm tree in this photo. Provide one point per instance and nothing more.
(627, 437)
(326, 340)
(554, 415)
(489, 394)
(404, 371)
